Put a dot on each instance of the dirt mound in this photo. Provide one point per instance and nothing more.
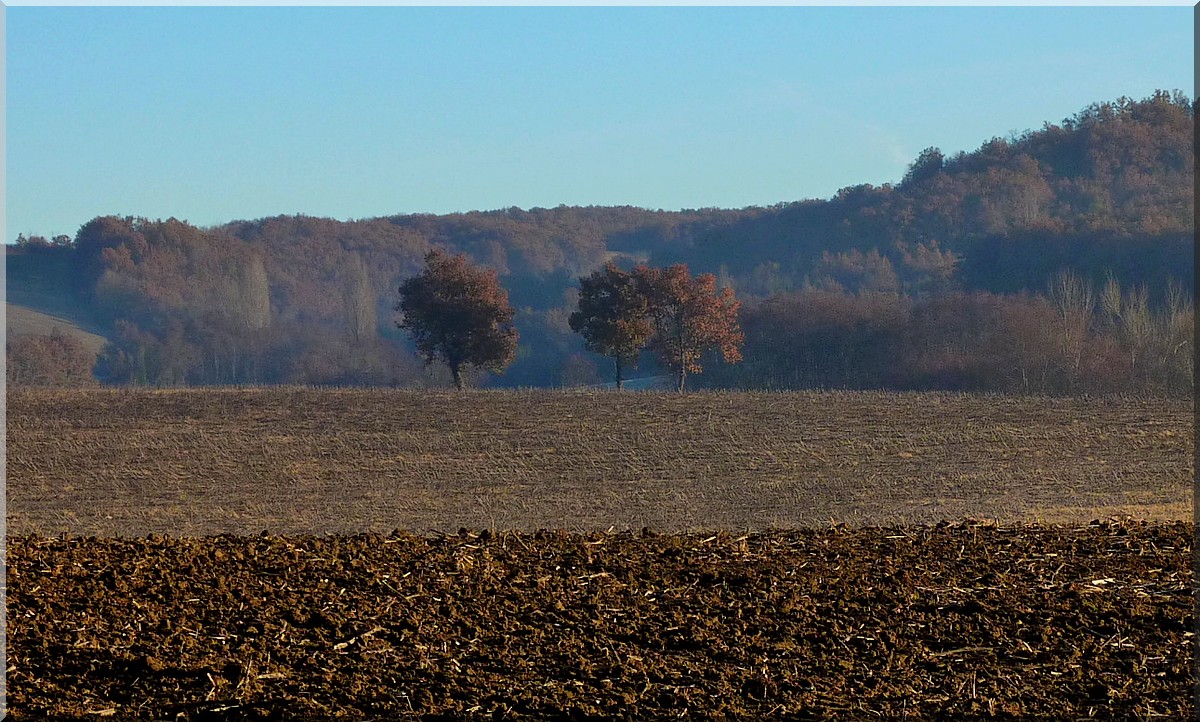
(949, 622)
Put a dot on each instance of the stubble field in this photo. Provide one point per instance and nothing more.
(230, 555)
(305, 461)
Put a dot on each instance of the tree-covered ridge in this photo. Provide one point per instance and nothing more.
(1091, 192)
(1108, 191)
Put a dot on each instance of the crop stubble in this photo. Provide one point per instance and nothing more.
(301, 461)
(957, 621)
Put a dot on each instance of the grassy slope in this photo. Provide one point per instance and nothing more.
(25, 321)
(38, 299)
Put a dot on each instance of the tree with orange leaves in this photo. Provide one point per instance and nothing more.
(690, 316)
(458, 314)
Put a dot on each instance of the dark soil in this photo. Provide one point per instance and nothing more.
(950, 622)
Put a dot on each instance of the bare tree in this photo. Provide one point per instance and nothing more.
(1127, 314)
(1075, 302)
(1179, 333)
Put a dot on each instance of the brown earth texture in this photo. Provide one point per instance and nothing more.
(295, 461)
(950, 621)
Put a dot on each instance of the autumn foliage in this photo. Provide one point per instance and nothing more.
(677, 315)
(690, 317)
(613, 316)
(49, 360)
(458, 314)
(942, 280)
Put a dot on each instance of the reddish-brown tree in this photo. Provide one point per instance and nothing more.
(613, 316)
(53, 360)
(690, 316)
(459, 314)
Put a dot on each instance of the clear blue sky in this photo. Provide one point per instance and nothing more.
(213, 114)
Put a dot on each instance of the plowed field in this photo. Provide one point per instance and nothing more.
(799, 566)
(950, 622)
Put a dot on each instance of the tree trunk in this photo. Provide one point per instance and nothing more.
(456, 372)
(620, 377)
(682, 366)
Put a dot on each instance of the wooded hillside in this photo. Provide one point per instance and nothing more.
(899, 272)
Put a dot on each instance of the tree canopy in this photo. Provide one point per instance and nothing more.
(458, 314)
(613, 316)
(689, 316)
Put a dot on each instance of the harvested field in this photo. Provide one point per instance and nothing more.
(958, 621)
(308, 461)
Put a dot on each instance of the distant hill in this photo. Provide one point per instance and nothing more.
(1108, 191)
(39, 298)
(25, 321)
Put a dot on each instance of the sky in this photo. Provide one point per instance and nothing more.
(213, 114)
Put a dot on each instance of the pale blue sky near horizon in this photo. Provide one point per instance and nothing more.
(213, 114)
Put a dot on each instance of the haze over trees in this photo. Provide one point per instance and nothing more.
(942, 280)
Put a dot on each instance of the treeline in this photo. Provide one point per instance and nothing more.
(961, 240)
(54, 359)
(1074, 339)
